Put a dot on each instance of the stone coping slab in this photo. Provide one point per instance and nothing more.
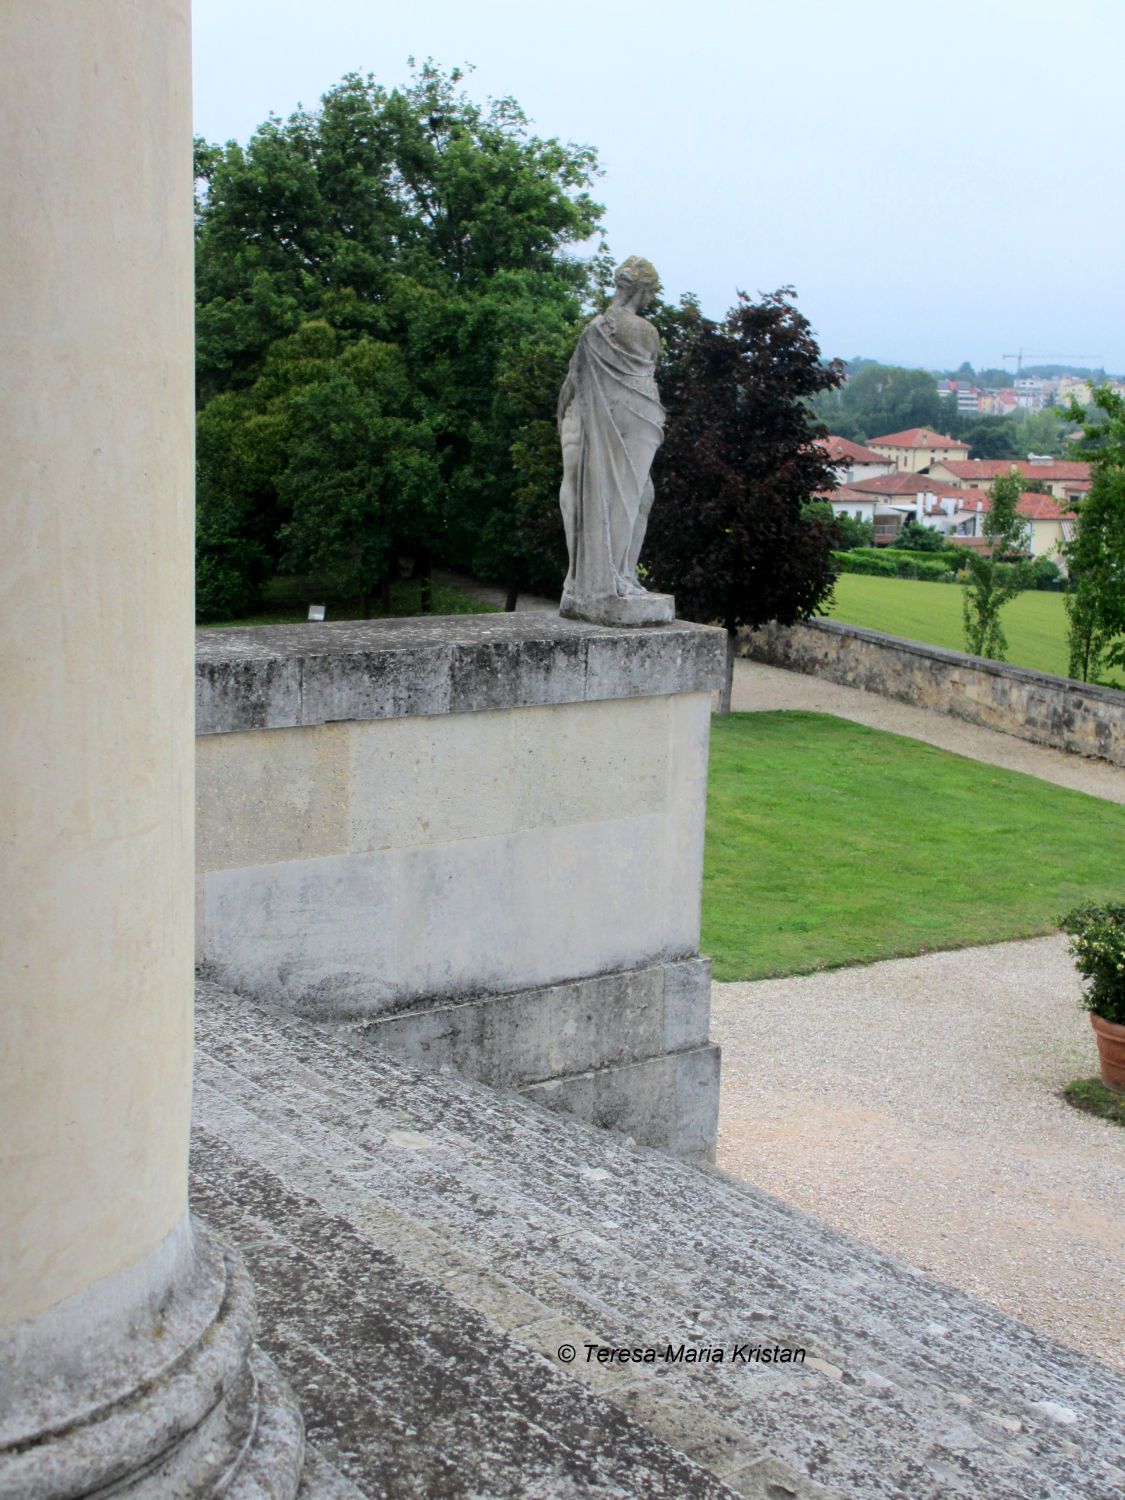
(285, 676)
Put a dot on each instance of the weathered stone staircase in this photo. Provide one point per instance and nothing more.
(423, 1246)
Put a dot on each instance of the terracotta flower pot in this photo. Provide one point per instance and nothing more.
(1111, 1050)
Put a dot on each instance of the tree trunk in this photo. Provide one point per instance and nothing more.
(511, 599)
(385, 595)
(728, 681)
(365, 604)
(423, 574)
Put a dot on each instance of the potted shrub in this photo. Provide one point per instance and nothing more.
(1097, 945)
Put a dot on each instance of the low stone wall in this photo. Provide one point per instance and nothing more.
(1054, 711)
(475, 840)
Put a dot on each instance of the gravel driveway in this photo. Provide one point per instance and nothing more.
(762, 688)
(915, 1103)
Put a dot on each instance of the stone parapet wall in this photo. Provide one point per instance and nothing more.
(1055, 711)
(476, 839)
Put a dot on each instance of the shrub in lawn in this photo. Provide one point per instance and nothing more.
(1097, 945)
(914, 537)
(1046, 574)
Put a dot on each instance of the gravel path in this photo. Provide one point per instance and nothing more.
(490, 593)
(915, 1104)
(761, 688)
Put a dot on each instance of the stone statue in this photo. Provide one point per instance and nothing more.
(611, 423)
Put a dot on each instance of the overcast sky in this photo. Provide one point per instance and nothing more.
(940, 179)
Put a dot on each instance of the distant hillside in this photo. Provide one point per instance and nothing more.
(993, 376)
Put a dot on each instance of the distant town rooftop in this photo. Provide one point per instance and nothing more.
(838, 448)
(902, 484)
(918, 437)
(994, 468)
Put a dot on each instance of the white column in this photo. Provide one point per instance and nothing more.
(96, 639)
(96, 740)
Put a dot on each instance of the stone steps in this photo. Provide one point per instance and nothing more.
(422, 1245)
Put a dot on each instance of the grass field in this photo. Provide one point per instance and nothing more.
(829, 843)
(1035, 623)
(287, 602)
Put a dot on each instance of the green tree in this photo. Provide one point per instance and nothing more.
(523, 545)
(728, 535)
(855, 534)
(914, 537)
(996, 379)
(850, 533)
(360, 471)
(991, 582)
(880, 399)
(411, 220)
(1039, 431)
(987, 437)
(241, 453)
(1095, 555)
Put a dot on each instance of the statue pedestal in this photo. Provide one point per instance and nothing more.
(525, 796)
(634, 609)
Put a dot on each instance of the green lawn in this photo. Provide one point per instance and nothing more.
(829, 843)
(287, 602)
(1035, 623)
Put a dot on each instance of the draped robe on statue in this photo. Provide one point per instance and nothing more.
(611, 424)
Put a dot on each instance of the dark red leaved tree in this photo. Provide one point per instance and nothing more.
(738, 464)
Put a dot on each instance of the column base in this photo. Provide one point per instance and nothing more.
(176, 1402)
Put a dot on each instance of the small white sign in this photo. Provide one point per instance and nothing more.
(316, 612)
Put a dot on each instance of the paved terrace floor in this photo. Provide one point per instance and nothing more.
(422, 1246)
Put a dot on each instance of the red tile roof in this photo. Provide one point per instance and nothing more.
(918, 437)
(993, 468)
(845, 492)
(1034, 506)
(1042, 508)
(902, 484)
(838, 448)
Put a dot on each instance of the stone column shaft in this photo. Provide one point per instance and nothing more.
(126, 1339)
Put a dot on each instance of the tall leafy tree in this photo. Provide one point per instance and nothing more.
(987, 437)
(1095, 555)
(412, 220)
(879, 399)
(990, 581)
(360, 470)
(728, 534)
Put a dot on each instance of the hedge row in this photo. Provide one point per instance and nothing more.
(951, 558)
(893, 564)
(941, 567)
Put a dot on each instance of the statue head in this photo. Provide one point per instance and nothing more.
(637, 274)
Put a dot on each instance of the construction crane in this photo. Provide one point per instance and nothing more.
(1039, 354)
